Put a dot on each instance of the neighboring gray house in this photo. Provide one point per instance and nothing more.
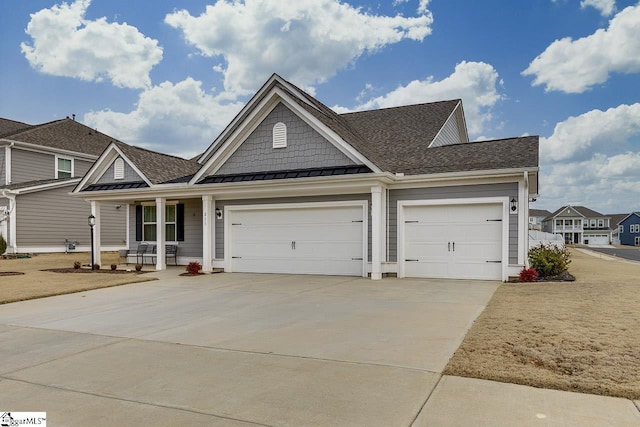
(536, 216)
(39, 166)
(579, 225)
(290, 186)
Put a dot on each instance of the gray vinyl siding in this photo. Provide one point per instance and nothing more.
(130, 175)
(80, 167)
(31, 166)
(46, 218)
(219, 225)
(486, 190)
(305, 149)
(3, 167)
(449, 134)
(192, 244)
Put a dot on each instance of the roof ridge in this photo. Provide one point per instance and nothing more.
(400, 106)
(157, 152)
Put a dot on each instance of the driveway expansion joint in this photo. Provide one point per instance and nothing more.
(440, 376)
(140, 402)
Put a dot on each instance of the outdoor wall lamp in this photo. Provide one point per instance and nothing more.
(218, 213)
(513, 205)
(92, 223)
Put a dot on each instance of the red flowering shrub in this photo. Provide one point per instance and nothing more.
(528, 275)
(194, 267)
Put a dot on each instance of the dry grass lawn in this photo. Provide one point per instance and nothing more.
(582, 336)
(37, 284)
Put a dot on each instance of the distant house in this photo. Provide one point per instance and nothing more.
(290, 186)
(615, 232)
(579, 225)
(629, 229)
(536, 216)
(39, 166)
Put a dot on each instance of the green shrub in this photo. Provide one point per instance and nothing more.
(549, 260)
(3, 244)
(77, 265)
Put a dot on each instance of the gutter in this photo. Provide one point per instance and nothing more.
(46, 149)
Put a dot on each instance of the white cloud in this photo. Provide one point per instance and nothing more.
(473, 82)
(65, 44)
(608, 132)
(180, 119)
(573, 66)
(305, 41)
(605, 7)
(593, 160)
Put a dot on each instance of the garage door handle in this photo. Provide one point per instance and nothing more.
(496, 220)
(412, 260)
(448, 246)
(454, 246)
(356, 259)
(495, 262)
(236, 257)
(411, 222)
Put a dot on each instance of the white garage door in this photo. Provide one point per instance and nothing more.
(453, 241)
(598, 239)
(317, 240)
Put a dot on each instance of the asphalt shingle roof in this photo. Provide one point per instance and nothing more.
(27, 184)
(539, 212)
(157, 167)
(65, 134)
(8, 127)
(397, 139)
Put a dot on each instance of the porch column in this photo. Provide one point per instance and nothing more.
(207, 230)
(376, 232)
(161, 263)
(95, 211)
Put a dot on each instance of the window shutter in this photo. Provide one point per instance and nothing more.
(138, 223)
(180, 222)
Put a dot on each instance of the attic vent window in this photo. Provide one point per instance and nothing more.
(279, 135)
(118, 169)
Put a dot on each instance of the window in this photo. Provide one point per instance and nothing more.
(64, 167)
(593, 223)
(118, 169)
(601, 223)
(279, 135)
(634, 228)
(558, 223)
(578, 223)
(621, 229)
(149, 223)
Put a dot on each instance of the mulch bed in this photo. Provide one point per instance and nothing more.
(10, 273)
(87, 270)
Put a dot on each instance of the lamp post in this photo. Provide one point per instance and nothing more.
(92, 222)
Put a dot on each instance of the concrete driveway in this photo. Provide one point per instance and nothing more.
(236, 349)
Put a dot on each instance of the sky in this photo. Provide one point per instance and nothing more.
(170, 75)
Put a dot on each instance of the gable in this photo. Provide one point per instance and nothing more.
(129, 175)
(452, 131)
(305, 148)
(568, 212)
(633, 218)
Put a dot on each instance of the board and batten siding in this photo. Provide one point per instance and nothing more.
(31, 166)
(455, 192)
(130, 174)
(305, 148)
(449, 134)
(192, 244)
(46, 218)
(219, 225)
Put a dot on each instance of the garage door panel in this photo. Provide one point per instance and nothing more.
(453, 241)
(305, 240)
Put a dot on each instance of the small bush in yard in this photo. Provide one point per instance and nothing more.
(114, 267)
(528, 275)
(77, 265)
(549, 260)
(138, 267)
(3, 244)
(194, 267)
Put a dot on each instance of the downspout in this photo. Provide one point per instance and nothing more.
(7, 163)
(526, 219)
(12, 220)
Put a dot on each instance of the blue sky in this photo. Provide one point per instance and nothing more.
(169, 75)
